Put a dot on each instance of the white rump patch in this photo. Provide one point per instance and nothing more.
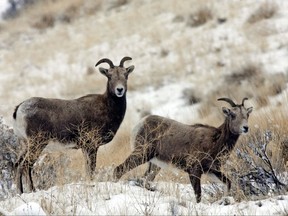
(135, 132)
(20, 124)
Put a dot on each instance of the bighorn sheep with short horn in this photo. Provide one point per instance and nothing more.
(38, 120)
(196, 149)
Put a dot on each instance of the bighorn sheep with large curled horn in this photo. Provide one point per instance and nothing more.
(39, 120)
(196, 149)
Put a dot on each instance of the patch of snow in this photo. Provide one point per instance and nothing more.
(167, 101)
(107, 198)
(30, 208)
(4, 4)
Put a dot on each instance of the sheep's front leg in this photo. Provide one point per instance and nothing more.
(195, 179)
(18, 168)
(223, 178)
(150, 175)
(18, 177)
(90, 155)
(151, 172)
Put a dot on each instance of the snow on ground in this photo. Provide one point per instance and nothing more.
(123, 198)
(167, 100)
(3, 7)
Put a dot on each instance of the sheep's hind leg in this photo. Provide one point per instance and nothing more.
(18, 167)
(30, 180)
(20, 172)
(138, 156)
(18, 177)
(36, 145)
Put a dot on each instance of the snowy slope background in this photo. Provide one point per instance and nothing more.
(179, 60)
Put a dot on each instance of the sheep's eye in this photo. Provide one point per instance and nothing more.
(233, 115)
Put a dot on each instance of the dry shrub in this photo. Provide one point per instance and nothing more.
(266, 10)
(114, 4)
(46, 21)
(200, 17)
(192, 96)
(69, 14)
(248, 72)
(256, 173)
(54, 168)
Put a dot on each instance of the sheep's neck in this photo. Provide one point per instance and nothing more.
(117, 107)
(227, 139)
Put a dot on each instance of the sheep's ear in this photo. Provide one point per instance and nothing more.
(103, 71)
(226, 111)
(130, 69)
(249, 110)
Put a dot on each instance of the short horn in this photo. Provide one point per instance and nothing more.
(244, 101)
(123, 60)
(105, 60)
(228, 100)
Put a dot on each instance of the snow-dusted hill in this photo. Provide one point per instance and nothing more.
(186, 54)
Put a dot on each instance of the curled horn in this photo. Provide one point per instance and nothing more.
(243, 101)
(228, 100)
(123, 60)
(106, 61)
